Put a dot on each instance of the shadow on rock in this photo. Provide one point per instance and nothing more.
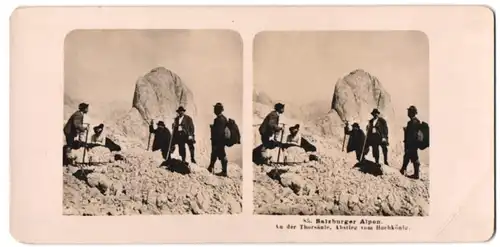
(175, 165)
(257, 157)
(276, 174)
(369, 167)
(82, 174)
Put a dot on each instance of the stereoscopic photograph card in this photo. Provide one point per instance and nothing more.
(252, 124)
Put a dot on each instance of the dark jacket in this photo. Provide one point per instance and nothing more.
(382, 131)
(218, 130)
(162, 138)
(410, 132)
(356, 139)
(270, 124)
(186, 124)
(74, 126)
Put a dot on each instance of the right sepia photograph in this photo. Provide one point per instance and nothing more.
(341, 123)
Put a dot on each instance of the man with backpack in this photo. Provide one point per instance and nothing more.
(219, 136)
(413, 140)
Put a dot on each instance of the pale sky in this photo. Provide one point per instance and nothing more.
(103, 66)
(304, 66)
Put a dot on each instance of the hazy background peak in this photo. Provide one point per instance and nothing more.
(102, 66)
(303, 67)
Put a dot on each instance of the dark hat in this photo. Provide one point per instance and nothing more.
(355, 125)
(82, 106)
(100, 126)
(375, 111)
(297, 126)
(181, 109)
(161, 123)
(412, 108)
(279, 106)
(219, 105)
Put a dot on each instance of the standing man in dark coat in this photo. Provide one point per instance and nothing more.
(378, 136)
(218, 139)
(183, 129)
(269, 126)
(356, 140)
(411, 143)
(75, 126)
(162, 139)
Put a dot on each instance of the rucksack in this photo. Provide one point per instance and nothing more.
(232, 133)
(423, 136)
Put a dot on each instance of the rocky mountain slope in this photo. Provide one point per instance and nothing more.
(140, 182)
(336, 184)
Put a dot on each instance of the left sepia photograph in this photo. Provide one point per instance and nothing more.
(151, 122)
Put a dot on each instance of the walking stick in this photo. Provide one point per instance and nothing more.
(149, 138)
(345, 134)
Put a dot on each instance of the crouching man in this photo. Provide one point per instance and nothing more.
(218, 139)
(356, 141)
(162, 139)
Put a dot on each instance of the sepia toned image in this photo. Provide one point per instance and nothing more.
(308, 124)
(341, 123)
(151, 122)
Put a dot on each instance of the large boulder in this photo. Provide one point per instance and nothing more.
(157, 96)
(357, 94)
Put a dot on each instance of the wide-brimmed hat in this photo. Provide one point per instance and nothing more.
(279, 106)
(100, 126)
(413, 109)
(83, 105)
(161, 123)
(295, 127)
(180, 109)
(375, 111)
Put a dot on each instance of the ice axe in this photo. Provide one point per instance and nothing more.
(281, 142)
(85, 148)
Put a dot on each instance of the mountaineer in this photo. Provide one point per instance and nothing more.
(356, 140)
(416, 136)
(294, 138)
(218, 140)
(268, 128)
(99, 136)
(377, 136)
(183, 133)
(74, 126)
(162, 139)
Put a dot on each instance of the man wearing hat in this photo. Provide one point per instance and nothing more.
(99, 137)
(356, 140)
(294, 137)
(411, 143)
(162, 139)
(74, 126)
(377, 136)
(269, 126)
(218, 138)
(183, 131)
